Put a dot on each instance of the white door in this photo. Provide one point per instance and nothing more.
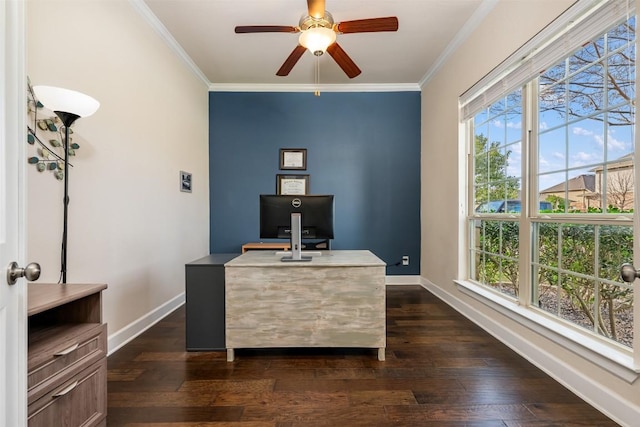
(13, 306)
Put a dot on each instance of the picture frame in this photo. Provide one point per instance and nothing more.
(292, 184)
(185, 182)
(293, 159)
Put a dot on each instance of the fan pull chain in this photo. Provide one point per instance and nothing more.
(317, 77)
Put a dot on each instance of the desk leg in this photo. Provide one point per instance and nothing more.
(230, 355)
(381, 354)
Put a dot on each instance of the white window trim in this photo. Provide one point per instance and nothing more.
(614, 358)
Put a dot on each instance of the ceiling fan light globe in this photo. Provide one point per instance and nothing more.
(317, 39)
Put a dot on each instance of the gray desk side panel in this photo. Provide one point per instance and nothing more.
(205, 311)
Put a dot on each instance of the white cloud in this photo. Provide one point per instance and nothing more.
(577, 130)
(612, 142)
(584, 157)
(558, 155)
(598, 139)
(514, 125)
(615, 144)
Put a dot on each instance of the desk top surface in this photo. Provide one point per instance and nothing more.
(43, 296)
(327, 259)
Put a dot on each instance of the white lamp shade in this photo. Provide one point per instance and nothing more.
(65, 100)
(317, 39)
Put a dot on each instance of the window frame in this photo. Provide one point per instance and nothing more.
(618, 359)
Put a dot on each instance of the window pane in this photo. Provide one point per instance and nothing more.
(552, 97)
(616, 313)
(621, 35)
(621, 71)
(586, 91)
(546, 295)
(496, 255)
(586, 139)
(585, 56)
(497, 155)
(552, 150)
(619, 185)
(578, 246)
(576, 297)
(567, 284)
(619, 142)
(593, 141)
(615, 247)
(547, 244)
(513, 154)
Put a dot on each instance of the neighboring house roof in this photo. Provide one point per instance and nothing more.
(624, 162)
(579, 183)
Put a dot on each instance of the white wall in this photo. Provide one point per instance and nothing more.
(509, 25)
(129, 225)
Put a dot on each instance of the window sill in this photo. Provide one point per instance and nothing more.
(615, 359)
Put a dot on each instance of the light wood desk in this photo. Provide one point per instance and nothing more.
(335, 300)
(266, 246)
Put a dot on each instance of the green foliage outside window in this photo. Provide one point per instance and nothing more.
(491, 179)
(577, 274)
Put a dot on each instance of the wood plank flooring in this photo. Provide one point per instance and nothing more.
(441, 370)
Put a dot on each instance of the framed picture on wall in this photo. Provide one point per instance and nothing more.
(185, 182)
(293, 159)
(292, 184)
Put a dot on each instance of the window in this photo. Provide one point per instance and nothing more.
(497, 145)
(551, 176)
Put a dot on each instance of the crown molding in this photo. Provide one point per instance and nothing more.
(364, 87)
(143, 10)
(469, 27)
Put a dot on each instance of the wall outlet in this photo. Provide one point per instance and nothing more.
(405, 260)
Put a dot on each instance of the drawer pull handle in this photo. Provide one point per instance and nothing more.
(67, 350)
(66, 390)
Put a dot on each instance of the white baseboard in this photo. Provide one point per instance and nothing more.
(607, 401)
(402, 280)
(135, 328)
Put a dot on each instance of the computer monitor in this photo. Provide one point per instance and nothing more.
(296, 218)
(317, 213)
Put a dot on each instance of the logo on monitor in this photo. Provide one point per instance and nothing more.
(296, 203)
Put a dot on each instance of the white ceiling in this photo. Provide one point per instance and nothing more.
(203, 32)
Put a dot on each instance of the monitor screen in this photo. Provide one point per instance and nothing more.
(317, 216)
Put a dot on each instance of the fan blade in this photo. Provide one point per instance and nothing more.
(291, 61)
(316, 8)
(266, 29)
(342, 59)
(369, 25)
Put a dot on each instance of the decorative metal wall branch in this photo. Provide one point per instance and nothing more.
(46, 134)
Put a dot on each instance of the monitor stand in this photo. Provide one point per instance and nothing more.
(296, 240)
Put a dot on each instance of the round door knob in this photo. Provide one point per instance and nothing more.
(628, 272)
(31, 272)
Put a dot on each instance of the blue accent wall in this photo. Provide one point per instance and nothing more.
(363, 147)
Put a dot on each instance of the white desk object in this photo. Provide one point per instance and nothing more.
(335, 300)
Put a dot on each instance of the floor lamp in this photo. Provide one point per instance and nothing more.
(69, 105)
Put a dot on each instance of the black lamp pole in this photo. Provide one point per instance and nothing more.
(67, 120)
(60, 101)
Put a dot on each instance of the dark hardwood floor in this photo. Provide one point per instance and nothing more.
(441, 370)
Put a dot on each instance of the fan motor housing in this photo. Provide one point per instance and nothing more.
(308, 21)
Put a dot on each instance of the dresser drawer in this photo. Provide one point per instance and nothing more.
(59, 353)
(79, 401)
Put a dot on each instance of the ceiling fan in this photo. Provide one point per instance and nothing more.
(318, 34)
